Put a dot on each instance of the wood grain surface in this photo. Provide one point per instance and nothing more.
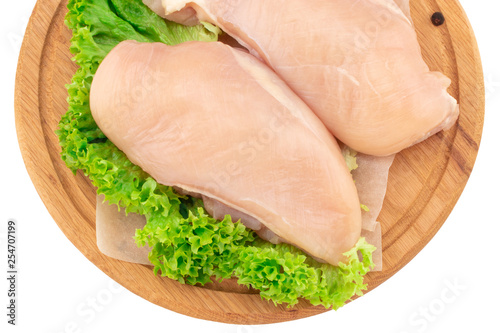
(425, 181)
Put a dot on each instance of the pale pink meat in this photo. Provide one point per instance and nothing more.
(357, 64)
(404, 5)
(371, 178)
(213, 120)
(115, 232)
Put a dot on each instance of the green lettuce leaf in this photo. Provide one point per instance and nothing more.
(350, 157)
(187, 244)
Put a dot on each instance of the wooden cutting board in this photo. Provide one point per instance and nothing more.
(425, 180)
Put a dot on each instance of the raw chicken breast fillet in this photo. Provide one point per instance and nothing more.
(214, 120)
(115, 230)
(356, 64)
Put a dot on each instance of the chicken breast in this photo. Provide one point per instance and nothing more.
(356, 64)
(214, 120)
(115, 230)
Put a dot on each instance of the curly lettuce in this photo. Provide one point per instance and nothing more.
(187, 244)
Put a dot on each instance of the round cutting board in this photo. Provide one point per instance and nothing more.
(424, 184)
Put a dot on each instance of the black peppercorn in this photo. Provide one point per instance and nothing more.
(437, 19)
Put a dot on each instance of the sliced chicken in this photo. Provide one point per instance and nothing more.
(115, 232)
(214, 120)
(371, 177)
(356, 64)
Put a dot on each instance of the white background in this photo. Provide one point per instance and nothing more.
(57, 285)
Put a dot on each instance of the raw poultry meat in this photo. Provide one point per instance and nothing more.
(214, 120)
(356, 64)
(115, 231)
(371, 177)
